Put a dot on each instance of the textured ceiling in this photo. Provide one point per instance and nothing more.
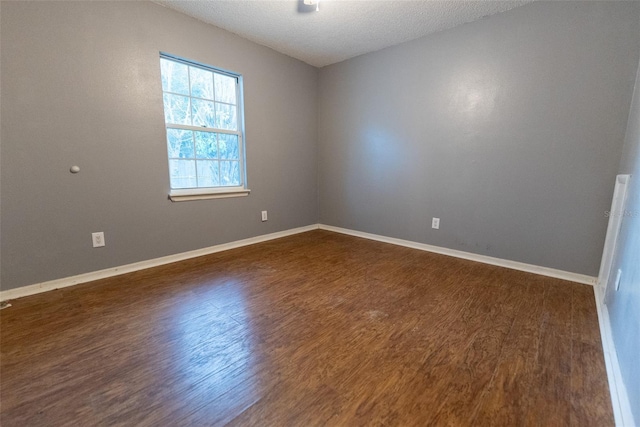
(341, 29)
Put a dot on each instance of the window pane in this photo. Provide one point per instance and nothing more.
(176, 109)
(197, 100)
(226, 117)
(182, 173)
(203, 113)
(228, 146)
(180, 143)
(225, 89)
(229, 173)
(206, 145)
(201, 83)
(208, 175)
(175, 77)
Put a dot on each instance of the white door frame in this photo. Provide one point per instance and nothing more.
(613, 230)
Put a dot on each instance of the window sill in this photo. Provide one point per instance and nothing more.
(205, 194)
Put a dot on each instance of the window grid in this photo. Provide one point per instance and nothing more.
(232, 162)
(218, 159)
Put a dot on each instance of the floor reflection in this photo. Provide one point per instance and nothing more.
(215, 354)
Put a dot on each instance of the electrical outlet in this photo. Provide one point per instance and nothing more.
(264, 216)
(435, 223)
(98, 239)
(618, 277)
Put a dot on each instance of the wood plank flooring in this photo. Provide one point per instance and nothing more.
(313, 329)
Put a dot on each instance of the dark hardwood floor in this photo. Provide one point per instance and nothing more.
(313, 329)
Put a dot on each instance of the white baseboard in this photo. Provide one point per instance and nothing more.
(514, 265)
(619, 397)
(115, 271)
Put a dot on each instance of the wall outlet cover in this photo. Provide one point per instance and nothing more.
(98, 239)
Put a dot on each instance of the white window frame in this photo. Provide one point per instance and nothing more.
(200, 193)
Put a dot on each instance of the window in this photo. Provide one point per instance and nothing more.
(203, 119)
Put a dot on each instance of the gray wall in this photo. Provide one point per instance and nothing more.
(624, 305)
(81, 85)
(509, 129)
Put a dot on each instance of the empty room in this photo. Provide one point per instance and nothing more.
(319, 212)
